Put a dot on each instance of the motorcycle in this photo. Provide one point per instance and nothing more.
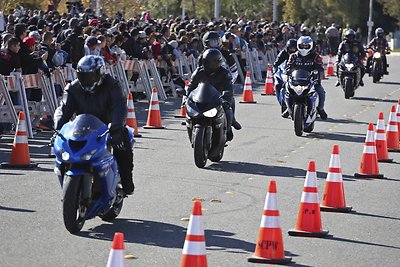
(349, 74)
(302, 100)
(206, 122)
(377, 66)
(87, 171)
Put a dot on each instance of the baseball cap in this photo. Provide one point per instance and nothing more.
(91, 40)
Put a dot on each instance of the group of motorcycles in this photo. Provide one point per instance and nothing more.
(88, 171)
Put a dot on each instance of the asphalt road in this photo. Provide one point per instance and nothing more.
(31, 225)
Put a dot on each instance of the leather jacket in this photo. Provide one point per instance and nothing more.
(107, 102)
(354, 47)
(221, 79)
(311, 62)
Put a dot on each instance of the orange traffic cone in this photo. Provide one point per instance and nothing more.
(269, 83)
(398, 116)
(392, 132)
(369, 162)
(182, 112)
(380, 140)
(116, 257)
(333, 198)
(269, 247)
(194, 249)
(131, 118)
(154, 116)
(309, 217)
(20, 157)
(330, 70)
(247, 91)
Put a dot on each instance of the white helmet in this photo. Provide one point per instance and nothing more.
(305, 45)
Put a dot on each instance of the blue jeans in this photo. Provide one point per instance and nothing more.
(321, 93)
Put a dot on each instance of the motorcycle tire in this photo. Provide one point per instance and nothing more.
(116, 208)
(217, 157)
(200, 146)
(375, 73)
(309, 128)
(348, 89)
(73, 211)
(298, 118)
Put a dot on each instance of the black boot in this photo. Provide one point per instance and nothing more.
(322, 114)
(337, 83)
(285, 114)
(229, 134)
(127, 185)
(236, 125)
(361, 82)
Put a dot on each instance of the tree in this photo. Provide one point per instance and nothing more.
(392, 8)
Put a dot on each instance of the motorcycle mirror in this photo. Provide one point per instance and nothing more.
(181, 91)
(226, 94)
(48, 122)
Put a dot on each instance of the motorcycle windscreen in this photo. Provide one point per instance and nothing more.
(205, 94)
(300, 77)
(83, 125)
(350, 58)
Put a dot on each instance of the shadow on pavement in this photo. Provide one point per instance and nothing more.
(344, 121)
(393, 83)
(374, 215)
(337, 137)
(15, 209)
(166, 235)
(374, 99)
(360, 242)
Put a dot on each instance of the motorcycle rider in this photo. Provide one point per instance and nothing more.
(350, 44)
(212, 39)
(307, 59)
(291, 47)
(379, 44)
(99, 94)
(214, 73)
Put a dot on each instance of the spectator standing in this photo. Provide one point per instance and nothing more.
(333, 36)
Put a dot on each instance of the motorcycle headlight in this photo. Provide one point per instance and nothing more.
(349, 66)
(65, 156)
(89, 155)
(210, 113)
(299, 89)
(377, 55)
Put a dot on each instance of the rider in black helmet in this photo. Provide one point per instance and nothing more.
(351, 45)
(99, 94)
(283, 56)
(214, 73)
(381, 45)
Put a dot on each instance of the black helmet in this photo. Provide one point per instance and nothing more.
(379, 32)
(90, 71)
(211, 40)
(350, 35)
(212, 60)
(291, 46)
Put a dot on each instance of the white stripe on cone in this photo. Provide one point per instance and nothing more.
(155, 107)
(311, 179)
(270, 202)
(270, 222)
(20, 139)
(369, 150)
(380, 136)
(197, 248)
(116, 258)
(334, 177)
(335, 161)
(370, 137)
(392, 128)
(308, 197)
(196, 225)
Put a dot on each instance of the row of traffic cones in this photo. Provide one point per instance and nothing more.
(378, 144)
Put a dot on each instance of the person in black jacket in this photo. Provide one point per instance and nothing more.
(214, 73)
(283, 56)
(99, 94)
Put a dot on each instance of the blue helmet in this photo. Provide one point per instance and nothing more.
(90, 72)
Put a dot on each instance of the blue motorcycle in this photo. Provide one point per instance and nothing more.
(88, 172)
(302, 100)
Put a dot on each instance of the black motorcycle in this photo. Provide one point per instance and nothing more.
(377, 70)
(206, 123)
(349, 74)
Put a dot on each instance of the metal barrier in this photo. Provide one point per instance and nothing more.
(239, 68)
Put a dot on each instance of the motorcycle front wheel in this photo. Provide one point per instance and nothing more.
(298, 118)
(348, 89)
(73, 209)
(199, 146)
(376, 76)
(116, 207)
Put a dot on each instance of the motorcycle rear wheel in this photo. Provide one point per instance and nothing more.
(298, 119)
(199, 146)
(73, 210)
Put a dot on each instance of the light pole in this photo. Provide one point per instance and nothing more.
(370, 23)
(216, 11)
(275, 11)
